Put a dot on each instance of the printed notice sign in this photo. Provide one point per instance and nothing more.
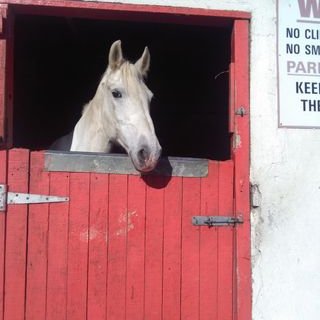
(299, 63)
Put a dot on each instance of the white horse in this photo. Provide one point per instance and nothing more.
(119, 113)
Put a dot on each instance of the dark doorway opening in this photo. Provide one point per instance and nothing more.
(58, 63)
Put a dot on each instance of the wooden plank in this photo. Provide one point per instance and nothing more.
(241, 158)
(190, 250)
(135, 248)
(9, 85)
(117, 244)
(4, 86)
(2, 90)
(58, 249)
(157, 13)
(78, 246)
(154, 248)
(16, 237)
(97, 235)
(38, 225)
(209, 246)
(3, 180)
(6, 76)
(231, 97)
(172, 250)
(226, 252)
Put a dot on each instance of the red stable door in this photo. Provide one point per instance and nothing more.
(125, 246)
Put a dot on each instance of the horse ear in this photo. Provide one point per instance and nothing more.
(115, 55)
(143, 63)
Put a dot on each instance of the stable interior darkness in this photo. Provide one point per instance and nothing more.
(58, 63)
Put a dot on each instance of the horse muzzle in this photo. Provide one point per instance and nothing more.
(145, 159)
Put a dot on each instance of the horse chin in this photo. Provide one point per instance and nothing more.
(144, 168)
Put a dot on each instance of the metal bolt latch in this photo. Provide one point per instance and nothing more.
(216, 221)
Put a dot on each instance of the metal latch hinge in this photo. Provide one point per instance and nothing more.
(25, 198)
(216, 221)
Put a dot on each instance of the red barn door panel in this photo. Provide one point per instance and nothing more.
(16, 237)
(123, 247)
(3, 179)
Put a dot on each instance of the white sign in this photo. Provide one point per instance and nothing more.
(299, 63)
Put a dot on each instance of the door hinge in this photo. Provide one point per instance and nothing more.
(216, 221)
(25, 198)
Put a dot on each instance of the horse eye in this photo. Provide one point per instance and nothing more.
(116, 94)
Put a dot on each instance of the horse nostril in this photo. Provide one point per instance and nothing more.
(143, 154)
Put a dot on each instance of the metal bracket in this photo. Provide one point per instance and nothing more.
(25, 198)
(241, 111)
(216, 221)
(121, 164)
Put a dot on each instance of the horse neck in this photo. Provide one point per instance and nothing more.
(96, 116)
(102, 107)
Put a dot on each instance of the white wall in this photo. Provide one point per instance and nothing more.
(285, 163)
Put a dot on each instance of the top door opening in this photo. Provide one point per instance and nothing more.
(58, 62)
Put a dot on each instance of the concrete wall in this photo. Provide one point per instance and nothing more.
(285, 164)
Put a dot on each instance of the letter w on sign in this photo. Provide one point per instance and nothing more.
(307, 7)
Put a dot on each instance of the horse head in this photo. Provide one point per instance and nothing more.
(127, 106)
